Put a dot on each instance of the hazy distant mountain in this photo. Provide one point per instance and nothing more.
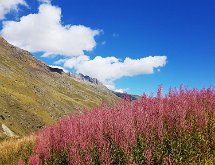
(33, 94)
(122, 95)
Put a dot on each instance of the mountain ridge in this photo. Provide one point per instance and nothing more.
(96, 82)
(32, 96)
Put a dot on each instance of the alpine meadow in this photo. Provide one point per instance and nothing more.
(106, 82)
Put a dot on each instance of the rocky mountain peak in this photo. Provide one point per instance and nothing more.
(85, 78)
(57, 70)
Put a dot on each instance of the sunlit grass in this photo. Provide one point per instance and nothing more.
(11, 150)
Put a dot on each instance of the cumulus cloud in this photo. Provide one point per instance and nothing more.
(61, 61)
(8, 5)
(44, 32)
(109, 69)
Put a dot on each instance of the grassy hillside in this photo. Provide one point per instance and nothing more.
(32, 96)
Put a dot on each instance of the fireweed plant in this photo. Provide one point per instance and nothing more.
(178, 128)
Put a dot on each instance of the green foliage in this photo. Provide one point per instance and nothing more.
(138, 151)
(95, 157)
(59, 158)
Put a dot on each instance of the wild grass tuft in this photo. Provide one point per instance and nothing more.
(12, 150)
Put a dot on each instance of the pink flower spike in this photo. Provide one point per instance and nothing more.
(34, 160)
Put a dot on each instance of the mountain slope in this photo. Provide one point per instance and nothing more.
(95, 82)
(33, 95)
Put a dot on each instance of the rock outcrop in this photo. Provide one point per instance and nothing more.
(7, 131)
(57, 70)
(81, 77)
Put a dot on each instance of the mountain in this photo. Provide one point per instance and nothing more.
(33, 94)
(93, 81)
(85, 78)
(122, 95)
(88, 80)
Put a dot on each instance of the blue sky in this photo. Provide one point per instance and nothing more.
(183, 31)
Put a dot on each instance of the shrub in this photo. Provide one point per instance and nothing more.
(177, 128)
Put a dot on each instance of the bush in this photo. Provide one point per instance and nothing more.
(178, 128)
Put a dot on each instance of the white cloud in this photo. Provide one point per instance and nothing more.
(120, 90)
(61, 61)
(43, 32)
(109, 69)
(8, 5)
